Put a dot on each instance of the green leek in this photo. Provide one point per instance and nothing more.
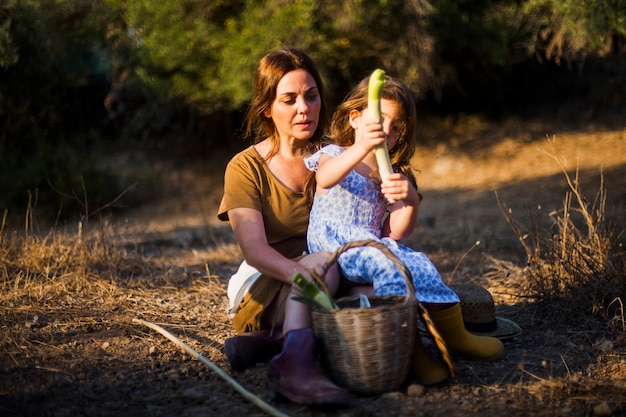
(377, 79)
(311, 294)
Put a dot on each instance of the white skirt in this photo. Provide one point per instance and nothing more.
(239, 284)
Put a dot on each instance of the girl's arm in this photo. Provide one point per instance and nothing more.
(403, 214)
(331, 170)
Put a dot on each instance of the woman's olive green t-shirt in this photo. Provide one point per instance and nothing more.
(248, 183)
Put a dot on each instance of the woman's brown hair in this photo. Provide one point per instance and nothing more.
(269, 71)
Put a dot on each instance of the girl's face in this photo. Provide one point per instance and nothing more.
(296, 108)
(391, 116)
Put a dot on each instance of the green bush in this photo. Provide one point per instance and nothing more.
(59, 180)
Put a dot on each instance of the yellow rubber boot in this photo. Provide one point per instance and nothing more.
(425, 370)
(462, 343)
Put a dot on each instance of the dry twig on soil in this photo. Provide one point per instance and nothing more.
(247, 394)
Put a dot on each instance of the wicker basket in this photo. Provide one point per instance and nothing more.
(368, 350)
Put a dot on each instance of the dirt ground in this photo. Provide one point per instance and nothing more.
(74, 355)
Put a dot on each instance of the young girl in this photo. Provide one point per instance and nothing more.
(351, 203)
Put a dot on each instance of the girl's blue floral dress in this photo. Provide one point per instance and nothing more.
(354, 210)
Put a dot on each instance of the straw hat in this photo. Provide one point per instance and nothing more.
(479, 313)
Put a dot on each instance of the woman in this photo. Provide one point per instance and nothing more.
(266, 205)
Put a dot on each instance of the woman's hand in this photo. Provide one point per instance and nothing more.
(314, 263)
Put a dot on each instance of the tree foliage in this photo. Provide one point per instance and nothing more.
(50, 51)
(62, 62)
(206, 50)
(571, 30)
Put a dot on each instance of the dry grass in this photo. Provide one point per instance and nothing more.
(576, 267)
(47, 269)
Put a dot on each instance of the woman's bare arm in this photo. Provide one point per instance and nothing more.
(247, 224)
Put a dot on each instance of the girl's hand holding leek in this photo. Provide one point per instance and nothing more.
(404, 209)
(398, 188)
(372, 135)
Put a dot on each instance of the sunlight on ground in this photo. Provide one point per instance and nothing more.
(478, 164)
(512, 160)
(459, 176)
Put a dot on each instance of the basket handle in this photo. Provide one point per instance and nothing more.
(406, 274)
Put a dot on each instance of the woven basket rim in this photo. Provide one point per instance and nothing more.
(354, 298)
(405, 272)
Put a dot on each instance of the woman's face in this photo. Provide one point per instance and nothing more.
(296, 108)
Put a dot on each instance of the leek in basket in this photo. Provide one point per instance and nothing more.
(315, 297)
(311, 293)
(364, 302)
